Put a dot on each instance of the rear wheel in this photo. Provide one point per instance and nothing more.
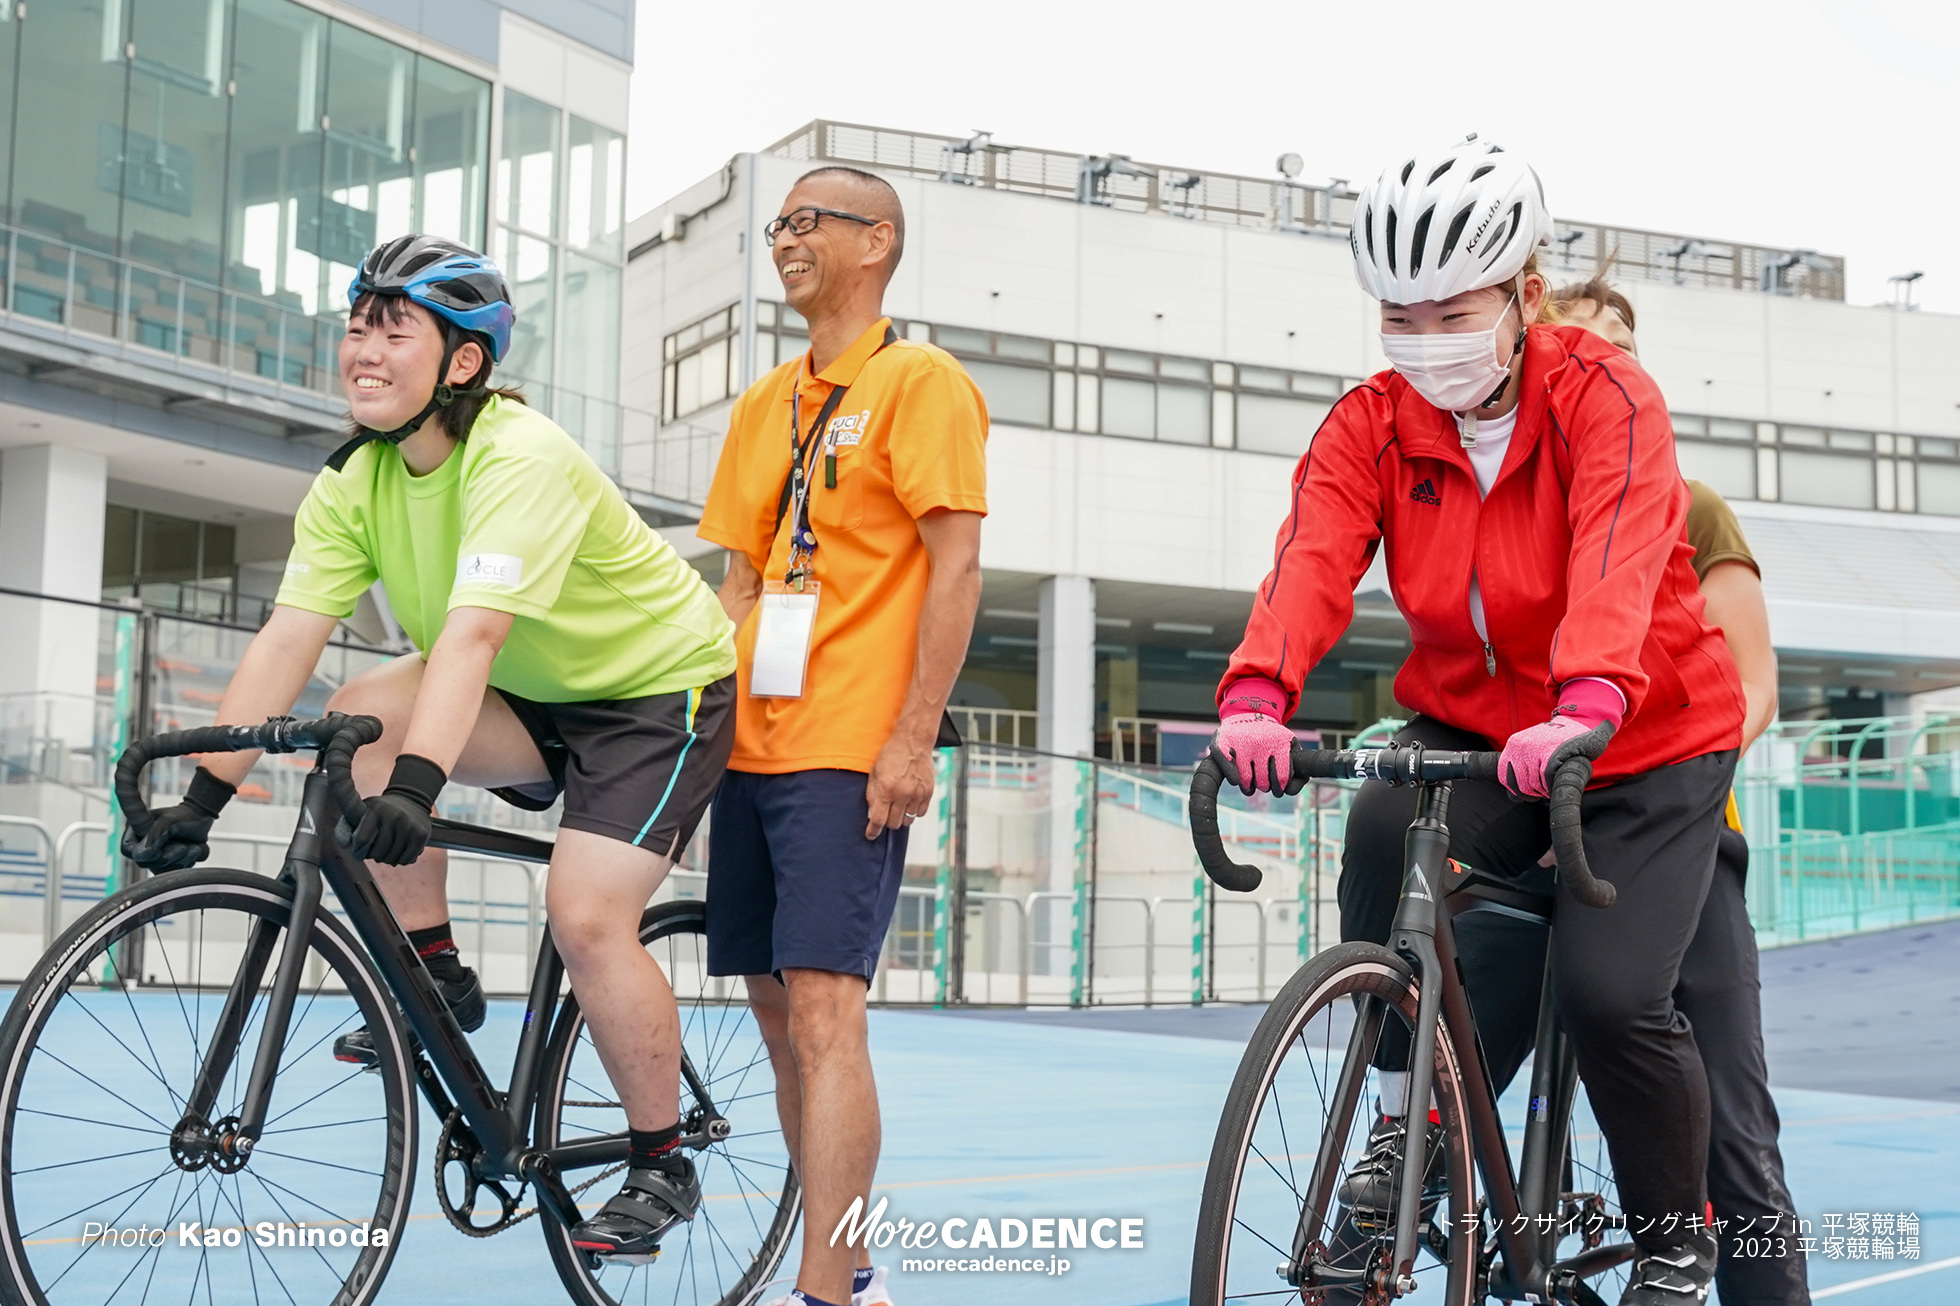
(751, 1199)
(102, 1163)
(1288, 1135)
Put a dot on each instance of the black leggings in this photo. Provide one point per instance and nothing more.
(1614, 972)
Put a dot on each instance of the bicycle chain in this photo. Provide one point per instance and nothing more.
(507, 1221)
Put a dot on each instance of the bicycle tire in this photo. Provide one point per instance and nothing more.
(168, 902)
(1331, 977)
(673, 921)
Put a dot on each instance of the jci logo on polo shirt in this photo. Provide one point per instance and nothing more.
(499, 569)
(848, 429)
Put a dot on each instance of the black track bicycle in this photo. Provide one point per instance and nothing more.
(173, 1126)
(1272, 1226)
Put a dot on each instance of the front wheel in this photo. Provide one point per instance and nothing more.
(111, 1187)
(1289, 1134)
(751, 1198)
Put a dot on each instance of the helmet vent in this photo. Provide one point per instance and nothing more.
(1454, 234)
(461, 290)
(1441, 168)
(1408, 168)
(1391, 243)
(1510, 228)
(1419, 240)
(419, 262)
(1368, 225)
(1488, 167)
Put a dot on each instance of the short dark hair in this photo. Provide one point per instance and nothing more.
(1597, 291)
(883, 197)
(460, 414)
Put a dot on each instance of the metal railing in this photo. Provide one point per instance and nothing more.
(1276, 203)
(1035, 878)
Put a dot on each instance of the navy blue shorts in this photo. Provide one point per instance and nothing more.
(792, 881)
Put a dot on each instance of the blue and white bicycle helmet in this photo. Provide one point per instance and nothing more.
(457, 284)
(461, 287)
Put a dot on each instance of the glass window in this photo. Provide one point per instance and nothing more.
(1939, 489)
(1803, 435)
(1268, 424)
(168, 548)
(1122, 360)
(1826, 481)
(595, 170)
(118, 549)
(1851, 440)
(1183, 369)
(1686, 425)
(1262, 378)
(1320, 387)
(961, 341)
(450, 150)
(174, 148)
(1727, 428)
(1018, 395)
(1936, 448)
(68, 131)
(367, 188)
(527, 263)
(592, 327)
(9, 41)
(278, 63)
(1184, 414)
(1730, 469)
(1129, 408)
(1035, 351)
(527, 174)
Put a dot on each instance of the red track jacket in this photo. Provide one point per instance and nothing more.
(1579, 549)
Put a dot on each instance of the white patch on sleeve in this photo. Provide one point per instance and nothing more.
(297, 568)
(502, 570)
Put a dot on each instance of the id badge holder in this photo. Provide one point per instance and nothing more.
(783, 630)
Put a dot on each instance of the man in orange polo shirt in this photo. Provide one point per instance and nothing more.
(849, 495)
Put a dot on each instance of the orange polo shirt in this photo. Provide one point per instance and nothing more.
(912, 435)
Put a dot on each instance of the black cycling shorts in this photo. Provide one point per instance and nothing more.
(640, 770)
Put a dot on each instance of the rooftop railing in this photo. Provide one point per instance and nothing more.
(1278, 203)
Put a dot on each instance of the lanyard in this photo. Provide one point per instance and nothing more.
(794, 500)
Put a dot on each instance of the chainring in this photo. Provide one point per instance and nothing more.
(457, 1145)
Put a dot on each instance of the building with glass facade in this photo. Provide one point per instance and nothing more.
(1157, 346)
(185, 189)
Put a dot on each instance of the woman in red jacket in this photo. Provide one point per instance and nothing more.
(1523, 481)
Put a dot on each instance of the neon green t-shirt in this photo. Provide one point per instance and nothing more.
(520, 520)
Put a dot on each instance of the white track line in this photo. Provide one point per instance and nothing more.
(1875, 1280)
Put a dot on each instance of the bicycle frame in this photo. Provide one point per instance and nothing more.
(500, 1122)
(1524, 1210)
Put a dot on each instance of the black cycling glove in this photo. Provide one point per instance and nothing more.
(176, 837)
(396, 828)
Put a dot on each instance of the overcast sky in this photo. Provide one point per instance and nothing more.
(1800, 124)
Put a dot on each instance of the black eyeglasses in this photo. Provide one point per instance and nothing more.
(803, 221)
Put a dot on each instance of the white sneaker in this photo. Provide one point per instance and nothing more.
(875, 1293)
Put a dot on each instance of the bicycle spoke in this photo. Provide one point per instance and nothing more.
(104, 1087)
(310, 1160)
(342, 1082)
(91, 1160)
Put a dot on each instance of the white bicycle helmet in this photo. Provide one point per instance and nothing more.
(1442, 223)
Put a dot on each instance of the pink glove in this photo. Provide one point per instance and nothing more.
(1251, 738)
(1583, 723)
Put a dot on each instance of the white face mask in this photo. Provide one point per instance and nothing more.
(1455, 371)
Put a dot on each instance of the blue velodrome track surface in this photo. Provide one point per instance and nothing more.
(1110, 1113)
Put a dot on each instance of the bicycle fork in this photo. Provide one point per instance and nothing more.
(228, 1143)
